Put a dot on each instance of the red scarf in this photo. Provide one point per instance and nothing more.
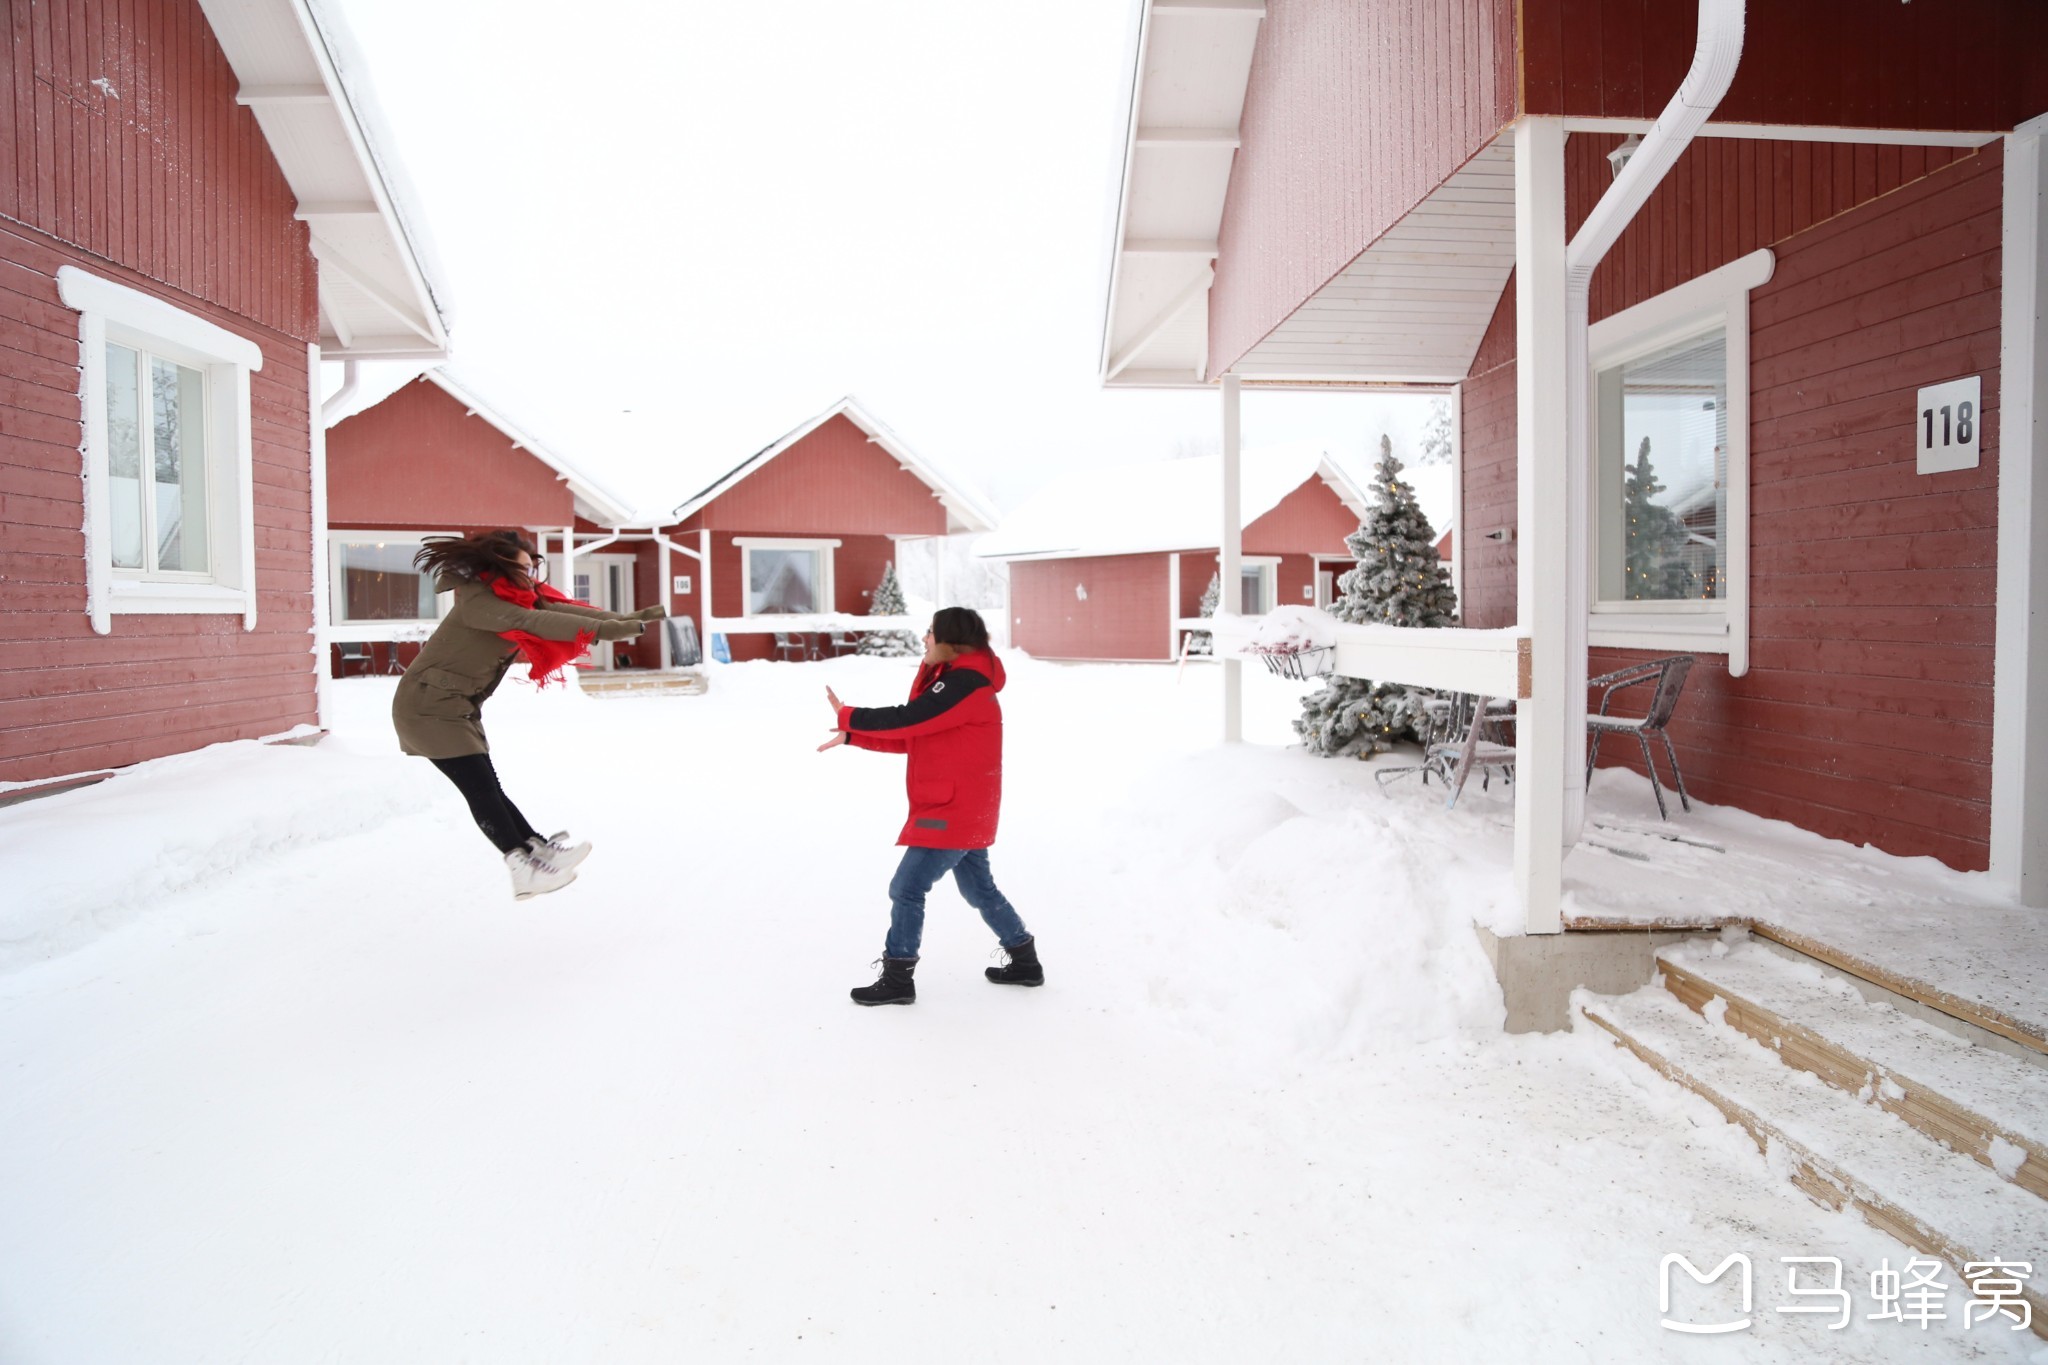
(545, 659)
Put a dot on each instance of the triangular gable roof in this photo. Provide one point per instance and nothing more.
(1163, 505)
(965, 512)
(593, 501)
(297, 72)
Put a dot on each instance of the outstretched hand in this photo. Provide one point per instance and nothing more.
(838, 738)
(833, 698)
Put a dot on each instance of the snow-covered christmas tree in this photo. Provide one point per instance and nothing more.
(888, 601)
(1398, 581)
(1655, 566)
(1201, 641)
(1436, 437)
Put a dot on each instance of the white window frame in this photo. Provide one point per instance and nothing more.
(828, 593)
(110, 312)
(1269, 578)
(1719, 300)
(340, 627)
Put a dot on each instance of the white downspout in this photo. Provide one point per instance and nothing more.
(323, 588)
(1714, 58)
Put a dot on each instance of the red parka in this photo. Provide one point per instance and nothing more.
(952, 729)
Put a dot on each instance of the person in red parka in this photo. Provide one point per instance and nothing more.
(952, 731)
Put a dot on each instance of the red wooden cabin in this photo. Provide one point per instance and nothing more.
(790, 541)
(1841, 266)
(434, 458)
(190, 220)
(1108, 564)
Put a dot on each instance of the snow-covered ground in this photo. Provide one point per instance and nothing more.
(288, 1077)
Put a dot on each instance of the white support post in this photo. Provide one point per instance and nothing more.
(1230, 591)
(1542, 546)
(568, 561)
(1458, 536)
(1173, 606)
(663, 583)
(2019, 716)
(704, 564)
(323, 607)
(939, 571)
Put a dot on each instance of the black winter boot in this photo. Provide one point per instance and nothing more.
(894, 987)
(1022, 969)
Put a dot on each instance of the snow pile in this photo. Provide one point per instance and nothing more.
(84, 861)
(1290, 630)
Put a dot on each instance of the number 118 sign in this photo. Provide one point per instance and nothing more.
(1946, 429)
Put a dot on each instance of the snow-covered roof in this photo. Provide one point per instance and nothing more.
(1163, 505)
(297, 70)
(965, 511)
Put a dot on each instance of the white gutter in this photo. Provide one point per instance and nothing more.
(323, 606)
(1715, 54)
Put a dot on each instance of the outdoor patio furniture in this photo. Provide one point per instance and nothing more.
(789, 646)
(353, 654)
(842, 642)
(1669, 675)
(683, 648)
(1462, 732)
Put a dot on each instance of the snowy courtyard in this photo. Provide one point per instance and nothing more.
(289, 1077)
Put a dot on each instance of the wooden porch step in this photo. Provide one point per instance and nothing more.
(1987, 1105)
(645, 683)
(1839, 1152)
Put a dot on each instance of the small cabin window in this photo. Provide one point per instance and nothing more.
(786, 577)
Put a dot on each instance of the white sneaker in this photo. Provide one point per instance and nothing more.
(534, 873)
(558, 849)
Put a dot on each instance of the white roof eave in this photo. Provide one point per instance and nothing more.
(1189, 71)
(375, 297)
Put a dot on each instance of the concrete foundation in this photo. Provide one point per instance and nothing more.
(1539, 972)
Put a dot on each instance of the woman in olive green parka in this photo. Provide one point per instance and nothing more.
(500, 613)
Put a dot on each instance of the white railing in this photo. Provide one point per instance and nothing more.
(1491, 663)
(810, 622)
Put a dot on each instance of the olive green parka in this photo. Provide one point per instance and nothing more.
(437, 709)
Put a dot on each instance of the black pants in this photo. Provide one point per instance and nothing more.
(495, 814)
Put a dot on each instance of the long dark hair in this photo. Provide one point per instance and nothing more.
(960, 627)
(477, 554)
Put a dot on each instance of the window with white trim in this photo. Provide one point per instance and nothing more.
(372, 579)
(169, 461)
(1258, 585)
(1669, 434)
(786, 577)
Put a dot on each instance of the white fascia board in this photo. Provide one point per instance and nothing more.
(1349, 493)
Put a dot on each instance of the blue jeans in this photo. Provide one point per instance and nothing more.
(921, 870)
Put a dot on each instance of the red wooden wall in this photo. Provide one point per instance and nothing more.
(1866, 711)
(1122, 617)
(1353, 114)
(418, 459)
(1960, 64)
(159, 170)
(832, 482)
(170, 189)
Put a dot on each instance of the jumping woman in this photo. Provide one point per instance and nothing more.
(952, 731)
(501, 612)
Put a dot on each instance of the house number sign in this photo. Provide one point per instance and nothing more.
(681, 584)
(1946, 425)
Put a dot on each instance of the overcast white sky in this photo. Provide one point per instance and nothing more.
(722, 217)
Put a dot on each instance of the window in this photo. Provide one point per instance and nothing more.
(170, 522)
(1670, 449)
(1256, 585)
(786, 577)
(373, 579)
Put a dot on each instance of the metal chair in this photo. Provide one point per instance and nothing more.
(1669, 675)
(842, 642)
(353, 653)
(1463, 732)
(789, 646)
